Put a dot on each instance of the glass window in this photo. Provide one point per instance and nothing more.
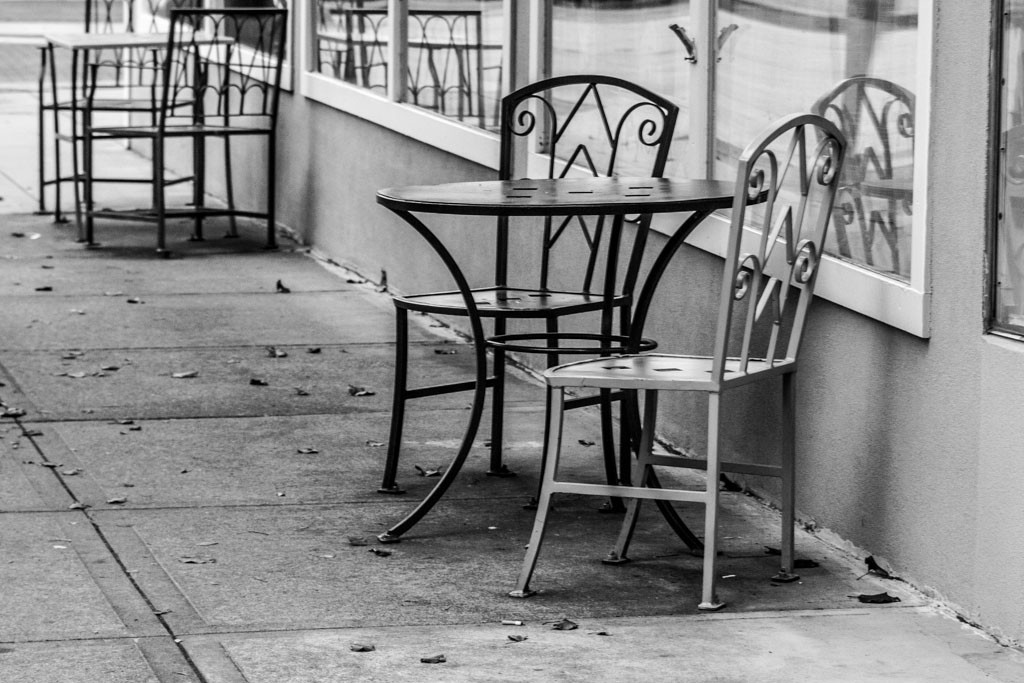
(1008, 266)
(453, 52)
(854, 61)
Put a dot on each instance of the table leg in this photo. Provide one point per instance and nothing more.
(393, 534)
(630, 411)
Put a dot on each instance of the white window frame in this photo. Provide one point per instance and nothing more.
(900, 304)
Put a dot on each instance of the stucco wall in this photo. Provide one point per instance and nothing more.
(909, 448)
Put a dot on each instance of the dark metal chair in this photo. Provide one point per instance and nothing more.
(576, 124)
(876, 189)
(219, 78)
(785, 186)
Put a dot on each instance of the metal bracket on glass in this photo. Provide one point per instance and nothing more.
(723, 36)
(687, 41)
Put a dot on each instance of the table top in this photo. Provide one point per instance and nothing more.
(561, 197)
(98, 41)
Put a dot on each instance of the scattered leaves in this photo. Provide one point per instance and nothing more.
(353, 390)
(517, 638)
(281, 289)
(875, 568)
(362, 647)
(257, 382)
(275, 352)
(427, 473)
(564, 625)
(878, 599)
(189, 374)
(435, 659)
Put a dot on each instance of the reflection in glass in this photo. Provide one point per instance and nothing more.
(454, 52)
(630, 40)
(1009, 248)
(855, 62)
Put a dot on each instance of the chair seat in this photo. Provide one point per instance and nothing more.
(507, 302)
(189, 130)
(657, 371)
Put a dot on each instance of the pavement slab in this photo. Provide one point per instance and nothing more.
(354, 378)
(249, 461)
(278, 567)
(85, 661)
(854, 646)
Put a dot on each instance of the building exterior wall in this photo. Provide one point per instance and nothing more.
(909, 448)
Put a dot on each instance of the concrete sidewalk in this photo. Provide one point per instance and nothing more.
(203, 527)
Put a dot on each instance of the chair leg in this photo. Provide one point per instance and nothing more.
(643, 456)
(709, 598)
(389, 484)
(786, 574)
(612, 471)
(556, 400)
(271, 195)
(83, 212)
(229, 188)
(158, 196)
(497, 468)
(198, 186)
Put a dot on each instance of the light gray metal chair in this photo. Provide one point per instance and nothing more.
(785, 187)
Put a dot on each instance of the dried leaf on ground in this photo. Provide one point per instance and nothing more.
(517, 638)
(878, 599)
(71, 355)
(308, 451)
(435, 659)
(47, 288)
(75, 375)
(189, 374)
(586, 442)
(353, 390)
(362, 647)
(313, 349)
(275, 352)
(197, 560)
(78, 506)
(72, 472)
(427, 473)
(564, 625)
(13, 412)
(446, 352)
(135, 300)
(281, 289)
(875, 568)
(257, 382)
(299, 391)
(33, 432)
(375, 444)
(110, 368)
(117, 501)
(380, 553)
(357, 541)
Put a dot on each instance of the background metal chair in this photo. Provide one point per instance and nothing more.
(785, 186)
(577, 124)
(876, 189)
(220, 78)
